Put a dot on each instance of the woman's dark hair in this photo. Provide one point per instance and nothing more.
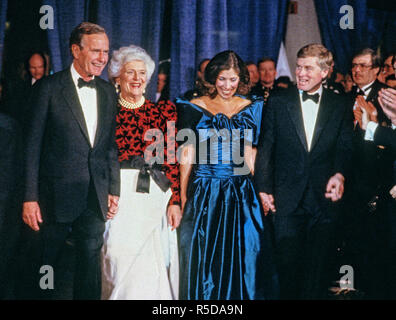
(224, 61)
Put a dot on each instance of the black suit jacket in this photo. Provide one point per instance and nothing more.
(284, 166)
(10, 199)
(368, 158)
(60, 163)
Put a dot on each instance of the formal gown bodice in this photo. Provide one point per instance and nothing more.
(220, 140)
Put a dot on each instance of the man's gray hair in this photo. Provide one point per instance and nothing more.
(127, 54)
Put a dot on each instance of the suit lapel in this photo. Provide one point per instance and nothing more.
(324, 113)
(373, 92)
(294, 107)
(102, 105)
(71, 97)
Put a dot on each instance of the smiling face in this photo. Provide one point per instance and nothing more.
(309, 75)
(227, 83)
(91, 57)
(133, 80)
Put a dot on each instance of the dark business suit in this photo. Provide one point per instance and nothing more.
(69, 178)
(10, 202)
(297, 178)
(365, 226)
(386, 137)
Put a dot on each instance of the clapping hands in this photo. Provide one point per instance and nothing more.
(364, 112)
(387, 101)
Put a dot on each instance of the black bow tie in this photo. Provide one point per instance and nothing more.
(313, 97)
(82, 83)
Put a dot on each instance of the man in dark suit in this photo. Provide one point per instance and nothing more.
(17, 89)
(72, 172)
(10, 202)
(267, 74)
(386, 138)
(302, 162)
(364, 232)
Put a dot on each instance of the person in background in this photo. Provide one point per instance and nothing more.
(253, 73)
(385, 137)
(267, 74)
(348, 83)
(283, 82)
(163, 82)
(17, 91)
(333, 81)
(364, 231)
(386, 68)
(194, 93)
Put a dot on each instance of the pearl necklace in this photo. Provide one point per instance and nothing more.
(131, 105)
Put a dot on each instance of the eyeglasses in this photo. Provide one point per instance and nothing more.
(361, 65)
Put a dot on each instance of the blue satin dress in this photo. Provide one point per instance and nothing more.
(225, 244)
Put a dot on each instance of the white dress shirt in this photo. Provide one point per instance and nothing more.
(88, 103)
(370, 130)
(310, 112)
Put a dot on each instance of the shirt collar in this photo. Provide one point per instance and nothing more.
(75, 75)
(367, 86)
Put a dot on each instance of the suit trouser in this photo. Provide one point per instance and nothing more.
(303, 243)
(389, 212)
(87, 231)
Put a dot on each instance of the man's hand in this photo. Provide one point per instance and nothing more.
(174, 215)
(112, 206)
(267, 201)
(387, 101)
(335, 187)
(31, 214)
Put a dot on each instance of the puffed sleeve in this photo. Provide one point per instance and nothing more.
(255, 121)
(187, 115)
(168, 111)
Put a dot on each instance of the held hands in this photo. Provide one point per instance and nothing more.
(174, 215)
(268, 203)
(31, 214)
(335, 187)
(112, 206)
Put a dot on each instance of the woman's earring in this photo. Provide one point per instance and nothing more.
(117, 88)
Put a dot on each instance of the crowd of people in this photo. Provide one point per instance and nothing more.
(246, 187)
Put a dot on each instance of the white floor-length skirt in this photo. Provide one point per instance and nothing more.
(140, 255)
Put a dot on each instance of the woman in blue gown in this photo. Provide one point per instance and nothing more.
(225, 244)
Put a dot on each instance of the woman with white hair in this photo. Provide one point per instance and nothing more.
(140, 258)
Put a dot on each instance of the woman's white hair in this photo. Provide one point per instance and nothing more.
(127, 54)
